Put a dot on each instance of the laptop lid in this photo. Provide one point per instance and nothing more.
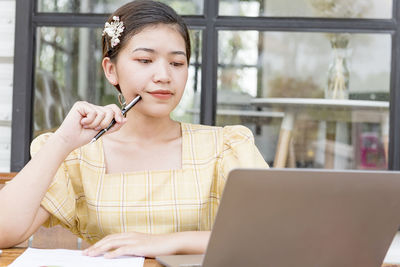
(305, 218)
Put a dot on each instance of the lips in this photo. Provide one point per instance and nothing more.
(161, 94)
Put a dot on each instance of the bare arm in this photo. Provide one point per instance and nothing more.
(192, 242)
(20, 211)
(150, 245)
(22, 196)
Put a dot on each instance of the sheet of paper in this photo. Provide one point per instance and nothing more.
(70, 258)
(393, 254)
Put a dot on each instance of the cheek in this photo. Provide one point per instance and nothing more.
(183, 76)
(182, 84)
(134, 80)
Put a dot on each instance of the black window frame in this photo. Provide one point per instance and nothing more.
(28, 20)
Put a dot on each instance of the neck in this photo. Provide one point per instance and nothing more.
(148, 129)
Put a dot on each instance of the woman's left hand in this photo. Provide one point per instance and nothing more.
(134, 244)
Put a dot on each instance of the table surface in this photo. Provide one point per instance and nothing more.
(320, 102)
(9, 255)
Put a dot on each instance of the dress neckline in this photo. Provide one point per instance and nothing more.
(183, 157)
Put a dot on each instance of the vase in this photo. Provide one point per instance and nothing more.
(338, 71)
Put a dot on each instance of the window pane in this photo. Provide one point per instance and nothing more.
(308, 8)
(68, 68)
(330, 90)
(183, 7)
(187, 110)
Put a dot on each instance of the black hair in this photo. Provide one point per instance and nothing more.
(139, 14)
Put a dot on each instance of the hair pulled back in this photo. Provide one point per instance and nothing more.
(139, 14)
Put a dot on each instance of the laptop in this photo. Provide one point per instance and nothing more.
(302, 218)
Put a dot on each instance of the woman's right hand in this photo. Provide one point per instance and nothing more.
(26, 191)
(85, 120)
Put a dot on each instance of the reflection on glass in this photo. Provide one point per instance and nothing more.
(68, 68)
(308, 8)
(183, 7)
(187, 110)
(334, 104)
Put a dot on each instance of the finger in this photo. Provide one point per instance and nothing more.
(105, 243)
(114, 244)
(117, 126)
(88, 113)
(96, 245)
(109, 116)
(117, 112)
(82, 107)
(108, 239)
(95, 124)
(122, 251)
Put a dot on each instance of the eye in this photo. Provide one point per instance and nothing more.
(145, 61)
(177, 64)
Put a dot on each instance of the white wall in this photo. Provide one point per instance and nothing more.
(7, 29)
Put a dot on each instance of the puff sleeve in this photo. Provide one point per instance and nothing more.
(239, 151)
(59, 200)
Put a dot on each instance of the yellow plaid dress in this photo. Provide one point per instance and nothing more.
(93, 204)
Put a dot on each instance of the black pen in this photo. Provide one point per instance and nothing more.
(124, 111)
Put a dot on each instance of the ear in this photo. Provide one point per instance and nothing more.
(110, 71)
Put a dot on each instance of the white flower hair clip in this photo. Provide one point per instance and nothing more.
(114, 30)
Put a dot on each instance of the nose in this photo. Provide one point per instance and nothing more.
(162, 72)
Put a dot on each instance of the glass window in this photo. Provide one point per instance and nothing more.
(183, 7)
(308, 8)
(328, 92)
(68, 68)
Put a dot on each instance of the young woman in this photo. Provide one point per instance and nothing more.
(150, 186)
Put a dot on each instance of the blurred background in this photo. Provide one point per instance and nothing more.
(312, 79)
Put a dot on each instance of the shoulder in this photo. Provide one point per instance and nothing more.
(38, 142)
(237, 132)
(200, 128)
(227, 135)
(200, 131)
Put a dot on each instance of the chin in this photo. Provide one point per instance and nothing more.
(158, 113)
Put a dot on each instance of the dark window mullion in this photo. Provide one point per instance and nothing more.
(305, 24)
(69, 19)
(22, 85)
(394, 131)
(209, 67)
(94, 20)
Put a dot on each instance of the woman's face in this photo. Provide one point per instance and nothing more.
(153, 65)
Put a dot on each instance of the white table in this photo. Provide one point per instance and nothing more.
(330, 110)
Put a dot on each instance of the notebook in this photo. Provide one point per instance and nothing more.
(292, 217)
